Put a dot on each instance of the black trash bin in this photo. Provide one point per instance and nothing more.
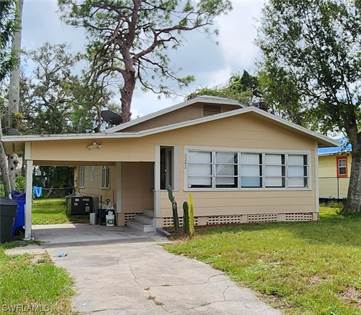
(7, 219)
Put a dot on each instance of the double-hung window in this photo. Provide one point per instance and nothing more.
(105, 177)
(199, 169)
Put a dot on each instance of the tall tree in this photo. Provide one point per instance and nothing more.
(270, 89)
(281, 95)
(131, 38)
(46, 93)
(7, 61)
(244, 88)
(318, 43)
(14, 86)
(56, 97)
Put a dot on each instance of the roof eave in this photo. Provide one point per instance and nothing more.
(321, 140)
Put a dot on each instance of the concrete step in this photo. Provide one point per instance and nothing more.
(140, 218)
(140, 227)
(148, 213)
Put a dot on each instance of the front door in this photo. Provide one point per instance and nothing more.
(166, 167)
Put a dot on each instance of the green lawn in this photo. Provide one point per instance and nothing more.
(24, 282)
(302, 268)
(49, 211)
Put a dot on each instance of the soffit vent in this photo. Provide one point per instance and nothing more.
(209, 110)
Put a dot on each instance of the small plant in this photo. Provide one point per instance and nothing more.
(185, 218)
(174, 209)
(190, 216)
(20, 183)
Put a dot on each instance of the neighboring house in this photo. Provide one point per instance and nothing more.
(240, 163)
(334, 171)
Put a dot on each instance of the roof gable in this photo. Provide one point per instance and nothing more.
(209, 100)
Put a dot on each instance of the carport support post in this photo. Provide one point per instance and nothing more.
(29, 198)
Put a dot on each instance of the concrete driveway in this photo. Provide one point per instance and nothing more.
(55, 235)
(141, 278)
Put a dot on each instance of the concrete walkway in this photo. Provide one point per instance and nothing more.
(141, 278)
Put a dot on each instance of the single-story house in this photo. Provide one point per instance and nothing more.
(240, 163)
(334, 165)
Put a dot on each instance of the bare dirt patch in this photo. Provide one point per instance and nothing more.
(352, 295)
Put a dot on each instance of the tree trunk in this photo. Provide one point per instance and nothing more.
(353, 203)
(126, 93)
(4, 167)
(14, 86)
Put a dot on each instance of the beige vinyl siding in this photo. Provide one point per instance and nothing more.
(247, 131)
(244, 131)
(242, 202)
(137, 187)
(113, 150)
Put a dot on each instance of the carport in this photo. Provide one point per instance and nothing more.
(82, 150)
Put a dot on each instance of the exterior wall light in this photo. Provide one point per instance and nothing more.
(94, 146)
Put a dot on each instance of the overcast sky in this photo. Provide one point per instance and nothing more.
(211, 64)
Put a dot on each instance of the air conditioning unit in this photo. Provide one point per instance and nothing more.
(81, 205)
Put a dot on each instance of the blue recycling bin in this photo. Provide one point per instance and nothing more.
(19, 197)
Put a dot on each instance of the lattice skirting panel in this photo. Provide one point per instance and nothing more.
(129, 216)
(168, 221)
(244, 218)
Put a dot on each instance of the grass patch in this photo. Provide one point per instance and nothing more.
(32, 287)
(49, 211)
(303, 268)
(53, 211)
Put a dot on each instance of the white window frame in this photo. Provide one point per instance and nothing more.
(81, 176)
(105, 177)
(241, 150)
